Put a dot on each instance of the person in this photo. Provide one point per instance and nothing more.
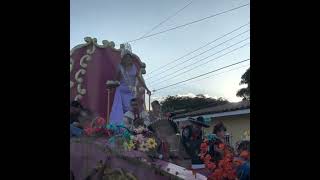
(192, 139)
(129, 80)
(243, 172)
(75, 112)
(136, 116)
(219, 131)
(155, 114)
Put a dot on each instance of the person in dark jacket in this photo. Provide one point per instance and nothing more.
(243, 172)
(219, 133)
(75, 113)
(192, 138)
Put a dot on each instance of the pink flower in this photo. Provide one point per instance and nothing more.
(139, 138)
(100, 121)
(89, 131)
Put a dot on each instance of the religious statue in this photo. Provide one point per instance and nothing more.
(130, 86)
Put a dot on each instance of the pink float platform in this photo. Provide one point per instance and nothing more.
(85, 153)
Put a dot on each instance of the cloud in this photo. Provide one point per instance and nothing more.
(186, 95)
(155, 98)
(208, 96)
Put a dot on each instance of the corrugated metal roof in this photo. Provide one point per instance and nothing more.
(217, 109)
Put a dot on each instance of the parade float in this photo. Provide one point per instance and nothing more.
(108, 151)
(111, 151)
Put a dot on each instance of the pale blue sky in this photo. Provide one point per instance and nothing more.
(124, 20)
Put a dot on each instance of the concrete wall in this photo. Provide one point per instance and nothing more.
(236, 126)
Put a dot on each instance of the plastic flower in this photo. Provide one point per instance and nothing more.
(204, 147)
(89, 131)
(210, 165)
(207, 158)
(151, 143)
(100, 121)
(221, 146)
(131, 145)
(126, 135)
(139, 138)
(97, 129)
(112, 140)
(125, 145)
(143, 147)
(139, 130)
(111, 127)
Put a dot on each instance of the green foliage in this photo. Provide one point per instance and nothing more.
(245, 92)
(173, 103)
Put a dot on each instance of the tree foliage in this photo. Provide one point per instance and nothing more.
(245, 92)
(173, 103)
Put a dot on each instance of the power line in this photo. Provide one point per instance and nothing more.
(204, 59)
(201, 75)
(155, 27)
(214, 75)
(201, 54)
(188, 23)
(198, 48)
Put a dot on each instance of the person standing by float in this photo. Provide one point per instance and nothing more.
(129, 78)
(192, 139)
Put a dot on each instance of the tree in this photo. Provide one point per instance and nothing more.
(245, 92)
(173, 103)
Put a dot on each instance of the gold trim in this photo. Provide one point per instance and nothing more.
(80, 90)
(85, 58)
(80, 79)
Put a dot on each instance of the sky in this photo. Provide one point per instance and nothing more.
(124, 20)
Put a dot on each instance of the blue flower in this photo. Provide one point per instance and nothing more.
(126, 135)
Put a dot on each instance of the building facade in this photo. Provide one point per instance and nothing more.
(235, 116)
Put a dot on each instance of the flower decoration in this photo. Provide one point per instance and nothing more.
(111, 127)
(151, 143)
(221, 146)
(125, 145)
(139, 138)
(126, 135)
(112, 140)
(143, 147)
(139, 130)
(204, 147)
(89, 131)
(207, 158)
(131, 145)
(100, 121)
(226, 168)
(211, 166)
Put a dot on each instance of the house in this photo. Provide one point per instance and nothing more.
(235, 116)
